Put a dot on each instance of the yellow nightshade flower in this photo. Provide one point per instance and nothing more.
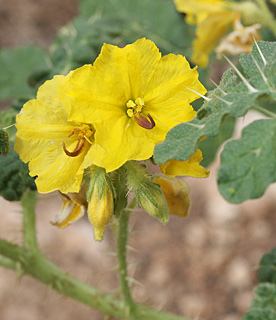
(133, 97)
(177, 194)
(191, 167)
(212, 18)
(56, 148)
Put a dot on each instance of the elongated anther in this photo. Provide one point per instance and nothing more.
(144, 122)
(78, 149)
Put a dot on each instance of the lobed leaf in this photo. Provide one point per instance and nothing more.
(248, 165)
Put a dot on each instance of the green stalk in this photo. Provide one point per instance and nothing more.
(39, 267)
(268, 18)
(7, 263)
(29, 231)
(122, 260)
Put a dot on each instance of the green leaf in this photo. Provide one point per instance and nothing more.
(14, 177)
(234, 96)
(267, 267)
(157, 20)
(210, 145)
(248, 165)
(16, 65)
(263, 307)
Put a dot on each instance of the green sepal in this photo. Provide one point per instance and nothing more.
(147, 193)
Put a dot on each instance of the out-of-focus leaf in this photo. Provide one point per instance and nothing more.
(16, 65)
(157, 20)
(263, 307)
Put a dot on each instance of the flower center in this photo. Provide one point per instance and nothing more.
(134, 110)
(83, 132)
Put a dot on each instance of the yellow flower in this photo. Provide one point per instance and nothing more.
(191, 167)
(56, 148)
(133, 97)
(213, 18)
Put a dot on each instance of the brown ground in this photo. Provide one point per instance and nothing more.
(203, 266)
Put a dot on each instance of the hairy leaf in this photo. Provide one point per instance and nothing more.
(248, 165)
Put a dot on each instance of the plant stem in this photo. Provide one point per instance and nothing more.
(268, 18)
(7, 263)
(29, 231)
(122, 260)
(39, 267)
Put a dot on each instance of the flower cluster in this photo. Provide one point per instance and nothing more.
(105, 115)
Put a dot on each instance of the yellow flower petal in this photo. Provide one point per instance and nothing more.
(213, 18)
(191, 167)
(177, 194)
(126, 141)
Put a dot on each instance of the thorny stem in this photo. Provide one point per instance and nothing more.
(29, 231)
(39, 267)
(7, 263)
(122, 260)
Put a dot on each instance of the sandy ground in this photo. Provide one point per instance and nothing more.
(203, 266)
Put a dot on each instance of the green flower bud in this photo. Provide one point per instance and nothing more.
(147, 193)
(100, 201)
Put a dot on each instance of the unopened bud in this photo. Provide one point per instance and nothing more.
(153, 201)
(100, 201)
(177, 194)
(147, 193)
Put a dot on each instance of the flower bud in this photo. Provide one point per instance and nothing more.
(147, 193)
(100, 201)
(153, 201)
(177, 194)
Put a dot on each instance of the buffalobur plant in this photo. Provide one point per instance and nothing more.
(117, 91)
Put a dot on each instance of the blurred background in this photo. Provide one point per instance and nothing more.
(203, 266)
